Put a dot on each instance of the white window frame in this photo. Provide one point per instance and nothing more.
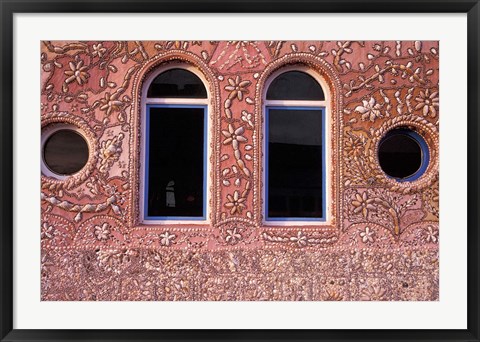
(145, 101)
(326, 104)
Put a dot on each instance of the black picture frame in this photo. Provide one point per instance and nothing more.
(9, 7)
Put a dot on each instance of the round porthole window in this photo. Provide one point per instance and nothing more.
(403, 155)
(65, 151)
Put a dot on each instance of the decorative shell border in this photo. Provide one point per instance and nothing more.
(328, 73)
(430, 133)
(136, 115)
(52, 184)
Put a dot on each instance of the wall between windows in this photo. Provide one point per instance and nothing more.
(380, 243)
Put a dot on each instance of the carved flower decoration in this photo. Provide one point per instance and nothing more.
(370, 110)
(234, 136)
(47, 231)
(427, 102)
(373, 293)
(233, 236)
(235, 203)
(166, 239)
(102, 233)
(432, 234)
(110, 151)
(98, 50)
(77, 73)
(354, 145)
(110, 103)
(362, 204)
(237, 88)
(367, 235)
(300, 239)
(333, 296)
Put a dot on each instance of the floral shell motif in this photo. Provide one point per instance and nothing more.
(380, 244)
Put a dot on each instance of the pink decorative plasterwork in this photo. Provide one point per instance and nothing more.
(381, 242)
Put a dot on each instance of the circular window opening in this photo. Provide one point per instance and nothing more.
(65, 152)
(403, 155)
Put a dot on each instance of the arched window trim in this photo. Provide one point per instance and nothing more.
(145, 102)
(327, 128)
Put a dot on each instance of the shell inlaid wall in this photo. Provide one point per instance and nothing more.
(379, 240)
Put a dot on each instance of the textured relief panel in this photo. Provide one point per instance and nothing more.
(380, 234)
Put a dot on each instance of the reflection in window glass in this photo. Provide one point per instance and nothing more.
(175, 161)
(295, 163)
(295, 85)
(65, 152)
(175, 83)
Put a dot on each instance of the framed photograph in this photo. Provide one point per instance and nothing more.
(233, 170)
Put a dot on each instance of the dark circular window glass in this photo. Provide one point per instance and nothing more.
(403, 154)
(65, 152)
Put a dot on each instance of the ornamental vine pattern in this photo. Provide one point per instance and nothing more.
(381, 238)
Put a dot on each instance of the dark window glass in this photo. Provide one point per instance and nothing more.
(176, 83)
(176, 162)
(400, 154)
(295, 85)
(65, 152)
(295, 167)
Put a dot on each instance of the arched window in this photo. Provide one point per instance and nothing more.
(175, 115)
(295, 147)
